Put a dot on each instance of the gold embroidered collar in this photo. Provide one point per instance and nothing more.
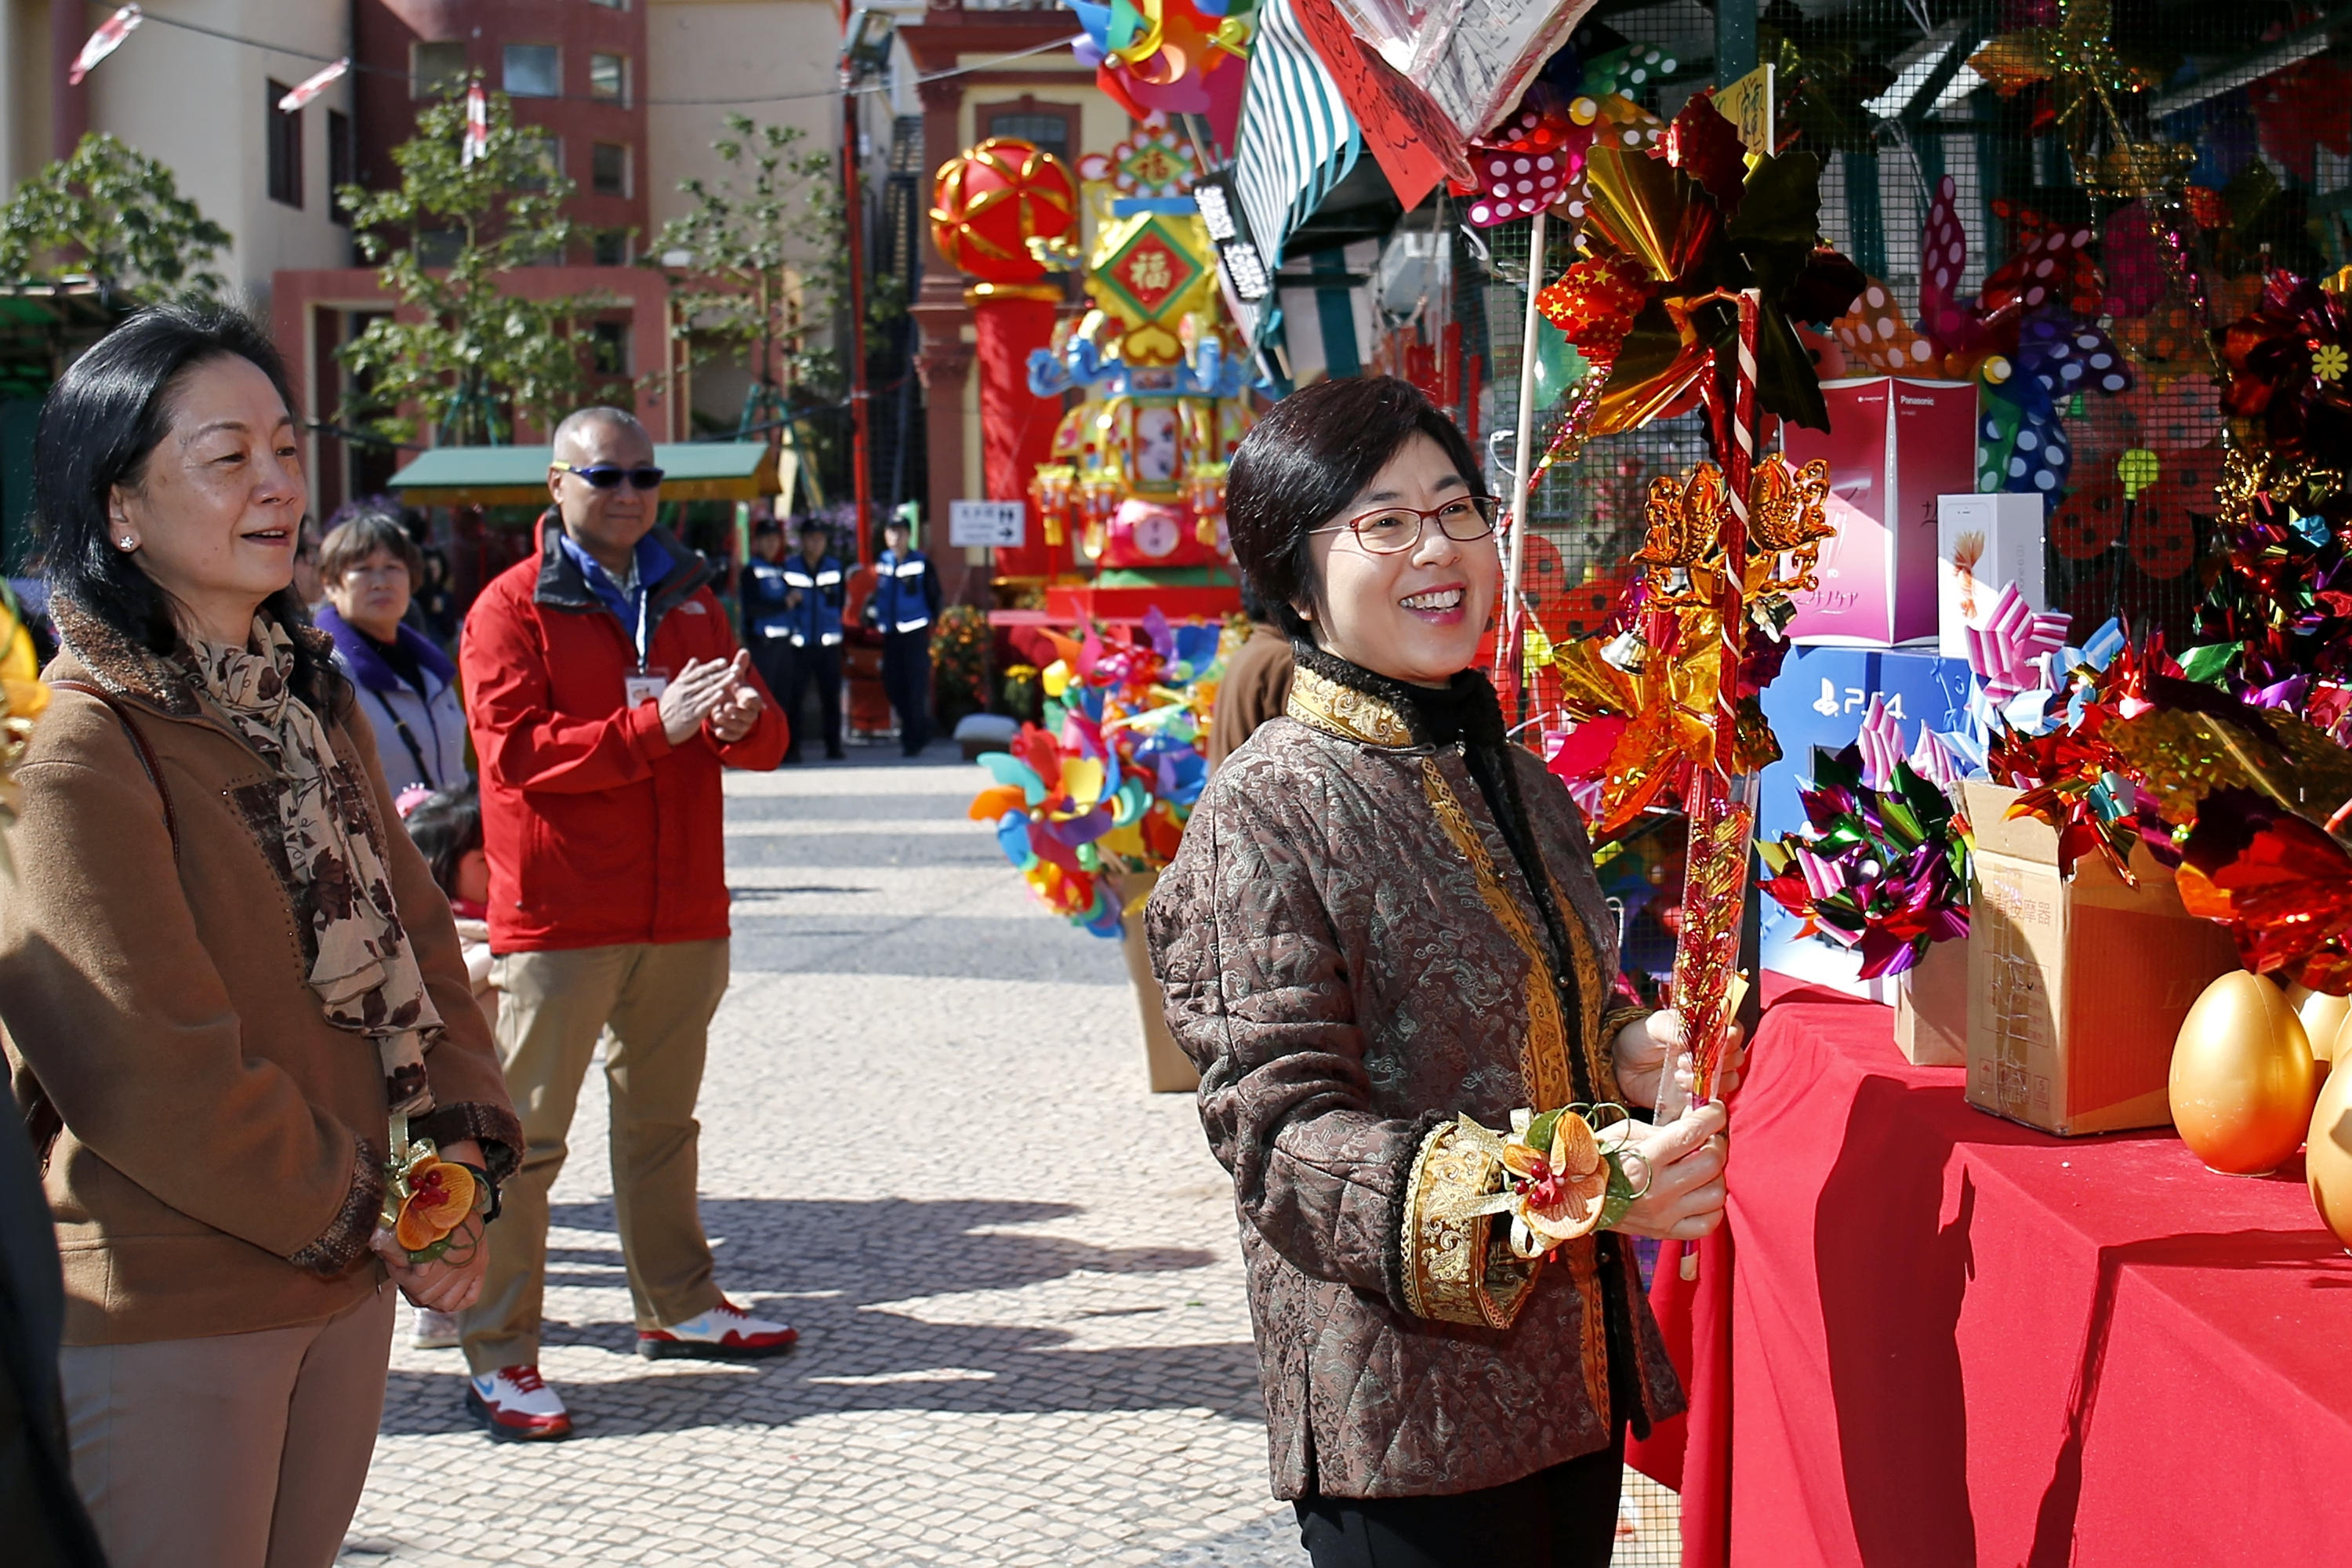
(1322, 703)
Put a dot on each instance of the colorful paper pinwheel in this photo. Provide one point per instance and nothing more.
(1104, 788)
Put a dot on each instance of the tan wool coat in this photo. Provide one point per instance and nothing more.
(219, 1168)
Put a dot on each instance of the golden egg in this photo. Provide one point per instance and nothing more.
(2327, 1158)
(2242, 1077)
(2323, 1018)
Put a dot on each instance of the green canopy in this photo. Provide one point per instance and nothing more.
(517, 476)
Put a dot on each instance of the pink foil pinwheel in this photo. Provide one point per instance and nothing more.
(2009, 654)
(1881, 741)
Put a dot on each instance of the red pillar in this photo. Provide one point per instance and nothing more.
(70, 29)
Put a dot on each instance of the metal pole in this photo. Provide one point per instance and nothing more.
(861, 480)
(1509, 645)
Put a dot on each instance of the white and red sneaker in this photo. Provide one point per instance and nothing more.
(725, 1333)
(517, 1406)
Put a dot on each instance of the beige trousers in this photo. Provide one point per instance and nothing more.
(234, 1451)
(653, 1003)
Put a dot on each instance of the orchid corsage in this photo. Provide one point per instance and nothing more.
(427, 1200)
(1563, 1174)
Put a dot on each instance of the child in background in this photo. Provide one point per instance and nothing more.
(446, 827)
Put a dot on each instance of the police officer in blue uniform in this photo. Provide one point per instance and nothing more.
(904, 604)
(815, 588)
(766, 628)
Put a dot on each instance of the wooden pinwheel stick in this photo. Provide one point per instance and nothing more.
(1511, 644)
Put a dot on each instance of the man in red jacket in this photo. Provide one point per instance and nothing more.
(605, 691)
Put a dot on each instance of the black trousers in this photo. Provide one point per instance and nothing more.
(907, 677)
(821, 666)
(1565, 1517)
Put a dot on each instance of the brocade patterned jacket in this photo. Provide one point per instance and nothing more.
(1353, 958)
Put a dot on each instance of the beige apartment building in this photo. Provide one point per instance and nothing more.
(632, 93)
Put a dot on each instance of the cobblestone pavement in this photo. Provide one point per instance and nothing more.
(927, 1142)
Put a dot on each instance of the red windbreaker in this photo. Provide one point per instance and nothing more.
(598, 830)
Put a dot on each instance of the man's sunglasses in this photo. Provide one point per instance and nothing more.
(608, 476)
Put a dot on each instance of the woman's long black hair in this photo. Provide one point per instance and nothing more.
(1303, 465)
(99, 424)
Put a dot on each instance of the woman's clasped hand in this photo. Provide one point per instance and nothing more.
(1679, 1165)
(453, 1281)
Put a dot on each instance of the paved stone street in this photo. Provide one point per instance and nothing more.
(928, 1142)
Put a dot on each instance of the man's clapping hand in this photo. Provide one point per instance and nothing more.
(695, 695)
(738, 706)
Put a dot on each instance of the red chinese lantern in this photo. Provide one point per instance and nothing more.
(990, 202)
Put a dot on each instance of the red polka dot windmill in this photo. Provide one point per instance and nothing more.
(1534, 161)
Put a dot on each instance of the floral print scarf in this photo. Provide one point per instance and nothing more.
(364, 973)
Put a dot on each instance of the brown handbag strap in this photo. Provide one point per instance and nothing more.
(154, 770)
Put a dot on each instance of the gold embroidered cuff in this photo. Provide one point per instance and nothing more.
(1616, 1018)
(1455, 1268)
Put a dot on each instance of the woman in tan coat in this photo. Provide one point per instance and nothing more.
(1383, 918)
(230, 987)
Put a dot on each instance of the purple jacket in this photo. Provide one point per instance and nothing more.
(420, 739)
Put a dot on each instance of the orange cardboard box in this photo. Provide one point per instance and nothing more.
(1931, 1007)
(2076, 985)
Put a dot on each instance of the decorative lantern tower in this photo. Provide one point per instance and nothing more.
(987, 207)
(1137, 470)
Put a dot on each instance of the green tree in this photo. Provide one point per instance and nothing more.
(471, 359)
(114, 214)
(764, 259)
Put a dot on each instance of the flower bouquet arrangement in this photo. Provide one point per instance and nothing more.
(1883, 868)
(959, 663)
(1103, 787)
(427, 1200)
(1562, 1174)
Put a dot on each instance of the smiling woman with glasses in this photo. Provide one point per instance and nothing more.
(1382, 918)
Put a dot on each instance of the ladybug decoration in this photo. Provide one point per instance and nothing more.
(2090, 520)
(990, 202)
(2163, 534)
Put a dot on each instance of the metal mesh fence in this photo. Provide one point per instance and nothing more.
(1882, 91)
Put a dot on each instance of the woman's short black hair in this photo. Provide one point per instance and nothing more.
(446, 826)
(99, 426)
(1306, 461)
(359, 534)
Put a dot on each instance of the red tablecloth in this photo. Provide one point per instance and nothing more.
(1954, 1340)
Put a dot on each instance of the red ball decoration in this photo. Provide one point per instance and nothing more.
(990, 202)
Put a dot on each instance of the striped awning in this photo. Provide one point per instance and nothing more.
(1298, 139)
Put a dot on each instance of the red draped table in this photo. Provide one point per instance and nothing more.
(1933, 1338)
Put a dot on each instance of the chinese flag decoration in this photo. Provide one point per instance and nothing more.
(104, 42)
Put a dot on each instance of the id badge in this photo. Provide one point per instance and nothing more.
(639, 689)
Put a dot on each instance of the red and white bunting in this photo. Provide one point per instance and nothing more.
(104, 42)
(478, 127)
(311, 89)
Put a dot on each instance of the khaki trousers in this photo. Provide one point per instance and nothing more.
(233, 1451)
(653, 1003)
